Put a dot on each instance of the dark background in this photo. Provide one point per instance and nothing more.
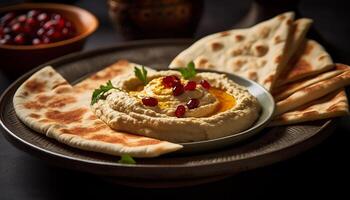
(321, 171)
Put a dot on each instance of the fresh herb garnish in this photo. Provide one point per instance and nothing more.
(126, 159)
(141, 74)
(98, 93)
(189, 71)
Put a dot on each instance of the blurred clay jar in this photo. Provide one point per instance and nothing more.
(155, 19)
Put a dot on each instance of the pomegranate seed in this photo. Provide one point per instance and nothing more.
(43, 17)
(19, 39)
(7, 18)
(32, 22)
(49, 24)
(168, 81)
(40, 32)
(16, 27)
(6, 30)
(65, 32)
(150, 101)
(21, 18)
(27, 29)
(191, 85)
(192, 103)
(180, 111)
(176, 78)
(178, 89)
(53, 34)
(6, 39)
(36, 41)
(60, 23)
(46, 40)
(33, 13)
(3, 41)
(68, 24)
(205, 84)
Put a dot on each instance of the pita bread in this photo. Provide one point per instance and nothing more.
(314, 91)
(48, 104)
(300, 28)
(258, 53)
(312, 59)
(285, 91)
(332, 105)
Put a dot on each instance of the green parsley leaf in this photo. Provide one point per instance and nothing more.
(141, 74)
(189, 71)
(126, 159)
(98, 93)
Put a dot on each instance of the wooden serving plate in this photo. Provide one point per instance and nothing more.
(173, 170)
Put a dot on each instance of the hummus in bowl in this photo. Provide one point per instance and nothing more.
(169, 107)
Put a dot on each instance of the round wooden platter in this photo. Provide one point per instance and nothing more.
(173, 170)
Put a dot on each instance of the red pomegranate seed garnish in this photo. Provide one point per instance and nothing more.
(191, 85)
(65, 32)
(36, 41)
(178, 89)
(7, 30)
(19, 39)
(46, 40)
(180, 111)
(4, 41)
(32, 22)
(22, 18)
(7, 39)
(192, 103)
(205, 84)
(68, 24)
(53, 34)
(40, 32)
(150, 101)
(60, 23)
(176, 78)
(49, 24)
(7, 18)
(16, 27)
(33, 13)
(56, 17)
(168, 81)
(43, 17)
(27, 30)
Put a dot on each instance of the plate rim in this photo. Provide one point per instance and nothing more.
(77, 55)
(261, 125)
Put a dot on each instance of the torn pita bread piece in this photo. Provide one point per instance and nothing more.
(332, 105)
(285, 91)
(258, 53)
(311, 60)
(48, 104)
(299, 31)
(314, 91)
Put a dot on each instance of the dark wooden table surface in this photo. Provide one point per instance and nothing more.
(323, 170)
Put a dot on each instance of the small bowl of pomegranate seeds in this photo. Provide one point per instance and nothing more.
(33, 33)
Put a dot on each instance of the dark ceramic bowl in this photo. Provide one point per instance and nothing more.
(16, 59)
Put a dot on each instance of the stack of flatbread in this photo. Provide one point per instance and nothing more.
(298, 71)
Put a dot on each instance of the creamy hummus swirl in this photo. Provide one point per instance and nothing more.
(167, 102)
(225, 109)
